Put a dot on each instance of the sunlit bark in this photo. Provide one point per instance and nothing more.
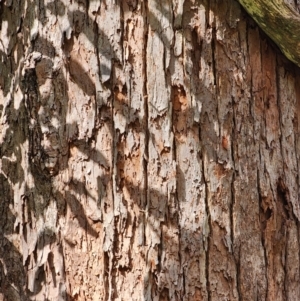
(149, 151)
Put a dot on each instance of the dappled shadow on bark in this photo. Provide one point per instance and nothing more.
(40, 159)
(12, 273)
(161, 209)
(135, 204)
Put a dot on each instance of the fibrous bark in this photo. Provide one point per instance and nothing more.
(149, 151)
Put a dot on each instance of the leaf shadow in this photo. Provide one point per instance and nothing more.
(77, 189)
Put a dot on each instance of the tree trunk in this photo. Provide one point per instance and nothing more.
(149, 151)
(280, 19)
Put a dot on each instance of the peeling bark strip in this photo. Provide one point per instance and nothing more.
(149, 151)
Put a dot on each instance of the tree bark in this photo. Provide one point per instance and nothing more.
(149, 151)
(280, 20)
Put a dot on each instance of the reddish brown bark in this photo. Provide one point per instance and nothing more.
(149, 151)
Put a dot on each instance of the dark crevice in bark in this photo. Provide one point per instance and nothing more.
(282, 193)
(160, 248)
(215, 97)
(96, 39)
(19, 30)
(1, 16)
(278, 99)
(115, 141)
(207, 12)
(173, 17)
(164, 63)
(298, 238)
(87, 6)
(36, 153)
(213, 50)
(176, 196)
(282, 190)
(296, 124)
(146, 108)
(263, 217)
(206, 239)
(115, 248)
(232, 233)
(148, 278)
(232, 205)
(207, 267)
(106, 274)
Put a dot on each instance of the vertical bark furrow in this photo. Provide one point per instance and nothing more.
(149, 151)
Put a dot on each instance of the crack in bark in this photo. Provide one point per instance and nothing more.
(207, 263)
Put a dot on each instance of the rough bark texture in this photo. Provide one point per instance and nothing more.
(280, 19)
(149, 151)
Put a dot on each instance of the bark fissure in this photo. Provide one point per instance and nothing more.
(207, 251)
(263, 227)
(146, 108)
(232, 205)
(148, 151)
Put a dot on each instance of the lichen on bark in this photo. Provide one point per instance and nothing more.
(280, 21)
